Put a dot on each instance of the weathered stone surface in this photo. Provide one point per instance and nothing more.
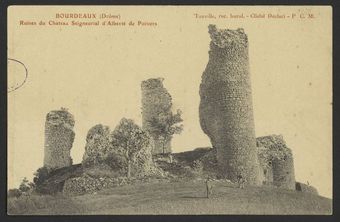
(280, 159)
(87, 184)
(226, 112)
(59, 137)
(133, 143)
(305, 188)
(54, 181)
(268, 176)
(283, 172)
(155, 101)
(143, 165)
(97, 144)
(266, 167)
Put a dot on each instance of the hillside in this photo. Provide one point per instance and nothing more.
(178, 197)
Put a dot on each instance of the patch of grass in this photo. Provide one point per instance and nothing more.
(183, 197)
(43, 205)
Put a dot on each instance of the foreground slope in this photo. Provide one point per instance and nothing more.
(182, 197)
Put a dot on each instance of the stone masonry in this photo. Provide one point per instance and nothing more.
(59, 137)
(97, 145)
(226, 110)
(281, 160)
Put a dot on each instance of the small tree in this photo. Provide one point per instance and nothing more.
(25, 185)
(40, 176)
(165, 125)
(128, 138)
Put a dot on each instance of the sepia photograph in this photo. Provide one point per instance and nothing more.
(169, 110)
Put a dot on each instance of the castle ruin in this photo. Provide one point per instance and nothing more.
(226, 116)
(97, 145)
(276, 161)
(226, 110)
(156, 101)
(59, 137)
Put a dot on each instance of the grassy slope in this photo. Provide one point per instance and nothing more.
(184, 198)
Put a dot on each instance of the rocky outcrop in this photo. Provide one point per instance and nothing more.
(277, 160)
(97, 145)
(226, 110)
(156, 101)
(59, 137)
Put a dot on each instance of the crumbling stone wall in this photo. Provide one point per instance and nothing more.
(59, 137)
(266, 167)
(155, 100)
(100, 150)
(226, 112)
(268, 175)
(283, 172)
(281, 159)
(87, 184)
(97, 145)
(268, 178)
(143, 165)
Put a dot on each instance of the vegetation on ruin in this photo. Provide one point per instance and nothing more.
(165, 125)
(129, 139)
(24, 188)
(271, 148)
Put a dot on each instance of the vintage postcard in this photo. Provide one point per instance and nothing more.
(121, 110)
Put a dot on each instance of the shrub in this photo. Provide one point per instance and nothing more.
(40, 176)
(116, 161)
(25, 186)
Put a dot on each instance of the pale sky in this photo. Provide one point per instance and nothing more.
(96, 72)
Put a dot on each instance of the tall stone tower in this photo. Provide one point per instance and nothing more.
(59, 137)
(226, 109)
(156, 101)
